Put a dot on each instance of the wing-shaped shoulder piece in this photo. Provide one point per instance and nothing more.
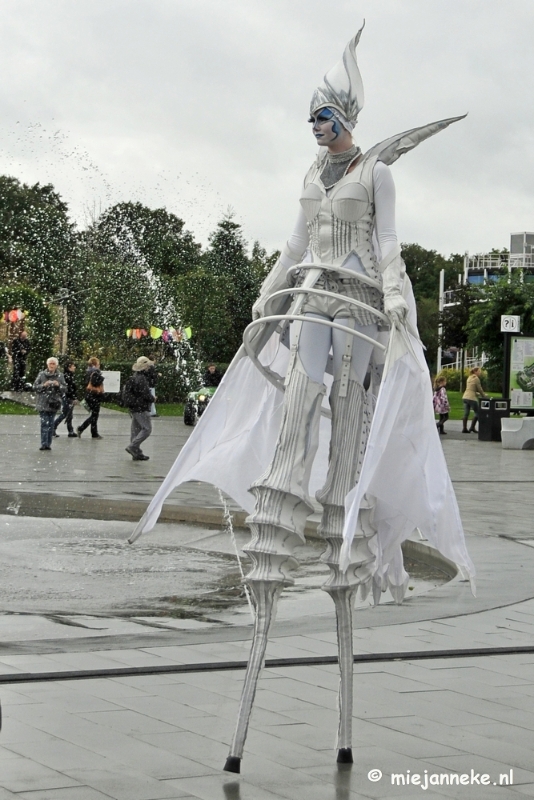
(393, 148)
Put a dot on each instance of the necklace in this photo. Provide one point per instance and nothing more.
(337, 165)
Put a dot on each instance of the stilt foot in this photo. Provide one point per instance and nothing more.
(344, 755)
(233, 764)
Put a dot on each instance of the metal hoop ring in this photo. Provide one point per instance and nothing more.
(324, 293)
(274, 377)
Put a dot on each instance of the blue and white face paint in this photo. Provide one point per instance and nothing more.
(326, 126)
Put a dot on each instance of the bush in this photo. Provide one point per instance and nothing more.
(453, 379)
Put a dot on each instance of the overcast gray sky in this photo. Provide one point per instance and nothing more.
(199, 105)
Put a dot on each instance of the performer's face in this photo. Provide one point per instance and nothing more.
(326, 128)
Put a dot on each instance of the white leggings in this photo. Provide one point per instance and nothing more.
(316, 341)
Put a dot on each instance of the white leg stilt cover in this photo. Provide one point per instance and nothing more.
(347, 444)
(277, 526)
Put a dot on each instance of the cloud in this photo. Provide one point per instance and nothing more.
(200, 105)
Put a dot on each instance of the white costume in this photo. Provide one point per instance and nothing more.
(341, 282)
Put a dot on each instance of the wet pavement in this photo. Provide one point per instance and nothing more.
(65, 567)
(151, 736)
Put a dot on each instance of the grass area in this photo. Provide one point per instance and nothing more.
(163, 409)
(9, 407)
(177, 409)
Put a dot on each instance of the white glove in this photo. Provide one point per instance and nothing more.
(396, 309)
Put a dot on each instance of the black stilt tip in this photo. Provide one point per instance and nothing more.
(233, 764)
(344, 755)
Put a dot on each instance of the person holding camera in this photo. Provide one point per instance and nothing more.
(50, 386)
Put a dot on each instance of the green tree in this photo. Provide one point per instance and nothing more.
(133, 232)
(423, 268)
(38, 245)
(202, 301)
(120, 297)
(261, 263)
(509, 295)
(455, 320)
(227, 258)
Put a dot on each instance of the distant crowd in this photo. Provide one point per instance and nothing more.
(57, 395)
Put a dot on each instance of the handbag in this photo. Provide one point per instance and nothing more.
(54, 404)
(95, 389)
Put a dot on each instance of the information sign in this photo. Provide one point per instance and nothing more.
(521, 380)
(112, 381)
(510, 323)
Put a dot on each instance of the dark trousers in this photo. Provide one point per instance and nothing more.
(66, 414)
(442, 420)
(47, 427)
(140, 430)
(94, 407)
(19, 371)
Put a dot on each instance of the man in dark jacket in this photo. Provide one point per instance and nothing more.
(212, 376)
(19, 350)
(137, 397)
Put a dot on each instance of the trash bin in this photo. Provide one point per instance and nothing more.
(490, 413)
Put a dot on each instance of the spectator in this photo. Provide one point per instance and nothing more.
(212, 376)
(441, 404)
(94, 391)
(152, 376)
(50, 386)
(69, 400)
(137, 398)
(19, 351)
(470, 397)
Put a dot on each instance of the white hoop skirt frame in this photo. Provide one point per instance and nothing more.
(404, 476)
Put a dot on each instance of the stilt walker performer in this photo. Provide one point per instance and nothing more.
(340, 298)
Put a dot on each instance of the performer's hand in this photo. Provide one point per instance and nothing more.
(396, 309)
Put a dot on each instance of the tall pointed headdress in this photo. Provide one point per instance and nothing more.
(342, 87)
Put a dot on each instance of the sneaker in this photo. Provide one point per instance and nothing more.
(131, 452)
(97, 436)
(72, 435)
(45, 448)
(142, 457)
(55, 435)
(79, 433)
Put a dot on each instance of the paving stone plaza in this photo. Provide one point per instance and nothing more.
(139, 732)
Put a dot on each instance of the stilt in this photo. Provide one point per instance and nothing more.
(349, 433)
(266, 595)
(277, 526)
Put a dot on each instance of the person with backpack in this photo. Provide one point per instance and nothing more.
(94, 392)
(137, 398)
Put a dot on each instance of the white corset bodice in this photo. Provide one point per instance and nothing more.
(342, 221)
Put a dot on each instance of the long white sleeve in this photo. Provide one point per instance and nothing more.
(297, 243)
(384, 191)
(393, 275)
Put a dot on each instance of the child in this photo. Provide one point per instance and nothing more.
(441, 404)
